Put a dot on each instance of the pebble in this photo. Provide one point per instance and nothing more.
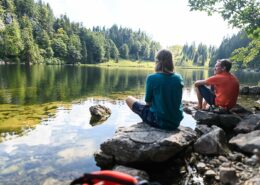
(210, 173)
(222, 158)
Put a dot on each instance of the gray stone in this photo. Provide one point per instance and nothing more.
(204, 129)
(254, 90)
(244, 90)
(247, 142)
(99, 114)
(215, 162)
(236, 157)
(228, 176)
(228, 121)
(213, 142)
(142, 175)
(201, 167)
(103, 159)
(143, 143)
(240, 111)
(250, 123)
(222, 158)
(205, 117)
(253, 181)
(210, 173)
(225, 121)
(226, 164)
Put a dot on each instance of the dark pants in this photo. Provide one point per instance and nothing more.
(207, 94)
(145, 114)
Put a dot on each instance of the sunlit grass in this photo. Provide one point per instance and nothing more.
(128, 63)
(143, 64)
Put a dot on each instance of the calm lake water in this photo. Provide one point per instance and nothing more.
(52, 141)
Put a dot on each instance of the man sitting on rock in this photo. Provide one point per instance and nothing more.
(225, 88)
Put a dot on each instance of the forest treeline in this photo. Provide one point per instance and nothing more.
(230, 47)
(30, 33)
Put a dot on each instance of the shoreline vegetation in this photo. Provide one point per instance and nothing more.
(133, 64)
(136, 64)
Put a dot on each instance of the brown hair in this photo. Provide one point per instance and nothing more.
(226, 64)
(164, 62)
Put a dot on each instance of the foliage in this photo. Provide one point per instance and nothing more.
(30, 53)
(240, 48)
(243, 14)
(11, 42)
(248, 56)
(189, 55)
(30, 32)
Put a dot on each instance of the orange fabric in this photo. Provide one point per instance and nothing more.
(226, 89)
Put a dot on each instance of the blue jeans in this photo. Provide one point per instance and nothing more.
(145, 114)
(207, 94)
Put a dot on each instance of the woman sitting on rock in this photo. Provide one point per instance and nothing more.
(163, 96)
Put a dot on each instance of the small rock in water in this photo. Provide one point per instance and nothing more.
(99, 114)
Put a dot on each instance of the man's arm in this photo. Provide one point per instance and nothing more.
(200, 82)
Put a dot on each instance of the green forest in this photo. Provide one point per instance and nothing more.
(31, 34)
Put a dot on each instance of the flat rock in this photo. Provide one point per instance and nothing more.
(143, 143)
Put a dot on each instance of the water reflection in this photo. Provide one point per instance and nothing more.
(40, 84)
(61, 147)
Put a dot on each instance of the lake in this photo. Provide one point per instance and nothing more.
(46, 137)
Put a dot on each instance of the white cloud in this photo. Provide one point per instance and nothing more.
(167, 21)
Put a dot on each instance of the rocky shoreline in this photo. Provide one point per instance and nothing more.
(223, 149)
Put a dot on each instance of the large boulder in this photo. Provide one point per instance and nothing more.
(250, 123)
(225, 121)
(247, 142)
(240, 111)
(141, 143)
(212, 143)
(253, 90)
(206, 117)
(228, 121)
(244, 90)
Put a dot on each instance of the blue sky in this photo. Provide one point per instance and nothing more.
(167, 21)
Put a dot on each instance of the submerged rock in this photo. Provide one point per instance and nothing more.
(99, 114)
(142, 143)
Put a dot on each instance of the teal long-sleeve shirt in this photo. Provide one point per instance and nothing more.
(164, 93)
